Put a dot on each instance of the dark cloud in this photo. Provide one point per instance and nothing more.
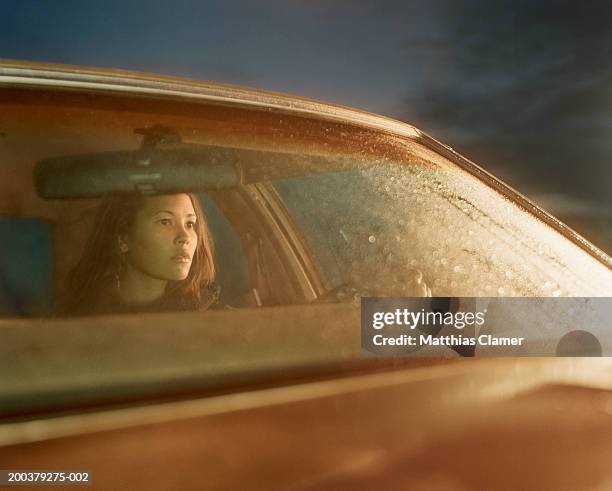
(525, 86)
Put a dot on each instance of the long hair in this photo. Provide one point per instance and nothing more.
(102, 261)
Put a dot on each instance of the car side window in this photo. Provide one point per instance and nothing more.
(26, 266)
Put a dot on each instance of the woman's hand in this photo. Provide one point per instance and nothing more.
(407, 282)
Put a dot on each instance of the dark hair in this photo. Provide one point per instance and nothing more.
(97, 271)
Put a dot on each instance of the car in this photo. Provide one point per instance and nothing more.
(312, 207)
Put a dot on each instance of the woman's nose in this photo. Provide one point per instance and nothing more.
(182, 237)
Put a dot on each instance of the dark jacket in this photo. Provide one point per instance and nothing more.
(108, 301)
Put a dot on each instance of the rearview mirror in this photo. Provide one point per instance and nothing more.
(146, 171)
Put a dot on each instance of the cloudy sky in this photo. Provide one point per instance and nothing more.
(523, 88)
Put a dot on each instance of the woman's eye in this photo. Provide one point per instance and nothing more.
(164, 221)
(191, 224)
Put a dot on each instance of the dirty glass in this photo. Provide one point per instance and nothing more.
(377, 226)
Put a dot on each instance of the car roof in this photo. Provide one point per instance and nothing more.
(45, 74)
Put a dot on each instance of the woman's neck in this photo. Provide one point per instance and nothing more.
(138, 287)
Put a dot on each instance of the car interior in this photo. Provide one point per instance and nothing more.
(52, 188)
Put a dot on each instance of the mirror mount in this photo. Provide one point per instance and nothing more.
(158, 135)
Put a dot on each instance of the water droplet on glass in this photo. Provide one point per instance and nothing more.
(371, 239)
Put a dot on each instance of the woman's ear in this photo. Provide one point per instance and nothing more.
(123, 247)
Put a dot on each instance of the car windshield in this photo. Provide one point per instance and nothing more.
(370, 226)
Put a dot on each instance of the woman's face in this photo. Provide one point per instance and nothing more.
(163, 239)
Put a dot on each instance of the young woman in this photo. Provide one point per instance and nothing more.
(145, 254)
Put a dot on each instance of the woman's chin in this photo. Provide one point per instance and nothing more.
(179, 275)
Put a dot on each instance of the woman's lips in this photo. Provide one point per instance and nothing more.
(181, 259)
